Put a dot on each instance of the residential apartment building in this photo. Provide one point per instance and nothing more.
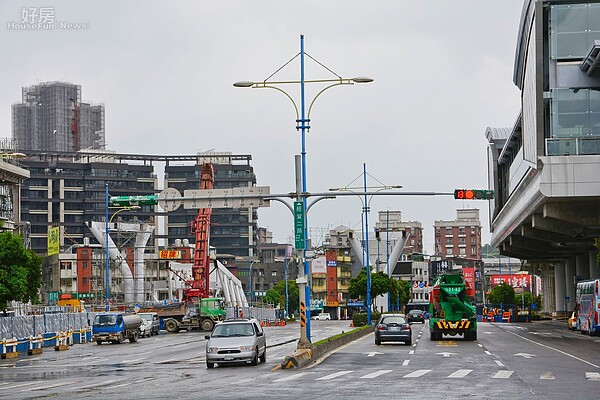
(53, 117)
(459, 238)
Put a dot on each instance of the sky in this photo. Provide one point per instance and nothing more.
(164, 70)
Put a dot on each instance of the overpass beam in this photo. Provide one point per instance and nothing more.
(584, 213)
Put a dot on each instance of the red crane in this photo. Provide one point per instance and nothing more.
(75, 126)
(199, 285)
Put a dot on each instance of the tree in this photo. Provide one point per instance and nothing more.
(272, 297)
(380, 284)
(20, 271)
(502, 293)
(399, 291)
(293, 294)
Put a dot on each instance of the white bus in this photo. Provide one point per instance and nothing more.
(587, 306)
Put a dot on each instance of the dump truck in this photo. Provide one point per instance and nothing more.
(115, 327)
(450, 308)
(202, 314)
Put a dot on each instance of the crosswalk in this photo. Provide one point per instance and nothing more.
(419, 373)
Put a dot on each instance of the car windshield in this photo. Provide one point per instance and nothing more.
(105, 320)
(146, 317)
(233, 330)
(393, 320)
(416, 312)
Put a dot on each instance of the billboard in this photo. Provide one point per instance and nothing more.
(469, 274)
(53, 240)
(319, 266)
(516, 280)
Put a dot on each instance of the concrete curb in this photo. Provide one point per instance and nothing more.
(303, 357)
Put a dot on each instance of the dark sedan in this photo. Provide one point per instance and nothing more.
(415, 316)
(393, 328)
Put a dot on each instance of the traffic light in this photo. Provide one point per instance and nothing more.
(473, 194)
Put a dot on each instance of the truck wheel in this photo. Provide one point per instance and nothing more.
(133, 337)
(119, 338)
(210, 365)
(474, 336)
(98, 341)
(171, 326)
(207, 324)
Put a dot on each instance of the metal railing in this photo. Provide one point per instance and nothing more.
(573, 146)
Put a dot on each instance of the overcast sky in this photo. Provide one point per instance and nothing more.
(164, 70)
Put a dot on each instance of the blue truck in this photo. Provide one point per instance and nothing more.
(115, 327)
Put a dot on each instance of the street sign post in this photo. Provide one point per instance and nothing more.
(299, 225)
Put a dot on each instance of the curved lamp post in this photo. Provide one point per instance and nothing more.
(302, 120)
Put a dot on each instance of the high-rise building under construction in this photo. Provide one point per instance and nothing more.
(52, 117)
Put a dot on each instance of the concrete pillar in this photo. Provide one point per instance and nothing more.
(582, 267)
(570, 283)
(560, 288)
(594, 268)
(548, 289)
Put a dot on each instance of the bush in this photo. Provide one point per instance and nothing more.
(360, 319)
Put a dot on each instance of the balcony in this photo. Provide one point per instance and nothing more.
(573, 146)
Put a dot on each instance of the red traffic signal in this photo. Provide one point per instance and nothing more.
(473, 194)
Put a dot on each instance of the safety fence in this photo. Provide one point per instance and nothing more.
(31, 333)
(503, 313)
(266, 316)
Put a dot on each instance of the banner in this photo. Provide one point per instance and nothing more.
(53, 240)
(469, 274)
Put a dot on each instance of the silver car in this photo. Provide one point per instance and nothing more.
(236, 341)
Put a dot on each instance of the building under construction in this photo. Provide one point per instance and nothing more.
(52, 117)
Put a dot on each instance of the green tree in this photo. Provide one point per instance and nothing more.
(272, 297)
(502, 293)
(399, 290)
(380, 284)
(293, 294)
(20, 271)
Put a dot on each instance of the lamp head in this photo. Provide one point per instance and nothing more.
(243, 84)
(362, 79)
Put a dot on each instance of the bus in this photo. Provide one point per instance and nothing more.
(587, 306)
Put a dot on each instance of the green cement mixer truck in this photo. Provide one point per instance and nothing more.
(450, 308)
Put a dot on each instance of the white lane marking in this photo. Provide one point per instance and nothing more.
(411, 352)
(417, 373)
(557, 350)
(103, 383)
(376, 374)
(503, 374)
(461, 373)
(479, 344)
(291, 377)
(53, 386)
(333, 376)
(405, 363)
(133, 382)
(547, 375)
(136, 360)
(25, 384)
(592, 376)
(167, 361)
(500, 364)
(488, 353)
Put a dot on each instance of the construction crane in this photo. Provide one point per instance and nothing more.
(199, 285)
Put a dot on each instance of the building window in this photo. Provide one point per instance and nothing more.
(472, 251)
(274, 273)
(461, 230)
(462, 251)
(84, 264)
(449, 251)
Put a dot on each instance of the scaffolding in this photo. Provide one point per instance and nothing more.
(52, 117)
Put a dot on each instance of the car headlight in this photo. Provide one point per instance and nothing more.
(212, 349)
(247, 348)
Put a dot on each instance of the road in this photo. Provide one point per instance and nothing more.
(508, 361)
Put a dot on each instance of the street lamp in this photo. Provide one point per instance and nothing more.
(302, 120)
(107, 222)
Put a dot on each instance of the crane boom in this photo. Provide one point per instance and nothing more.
(199, 286)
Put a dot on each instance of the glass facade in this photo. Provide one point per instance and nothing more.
(575, 105)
